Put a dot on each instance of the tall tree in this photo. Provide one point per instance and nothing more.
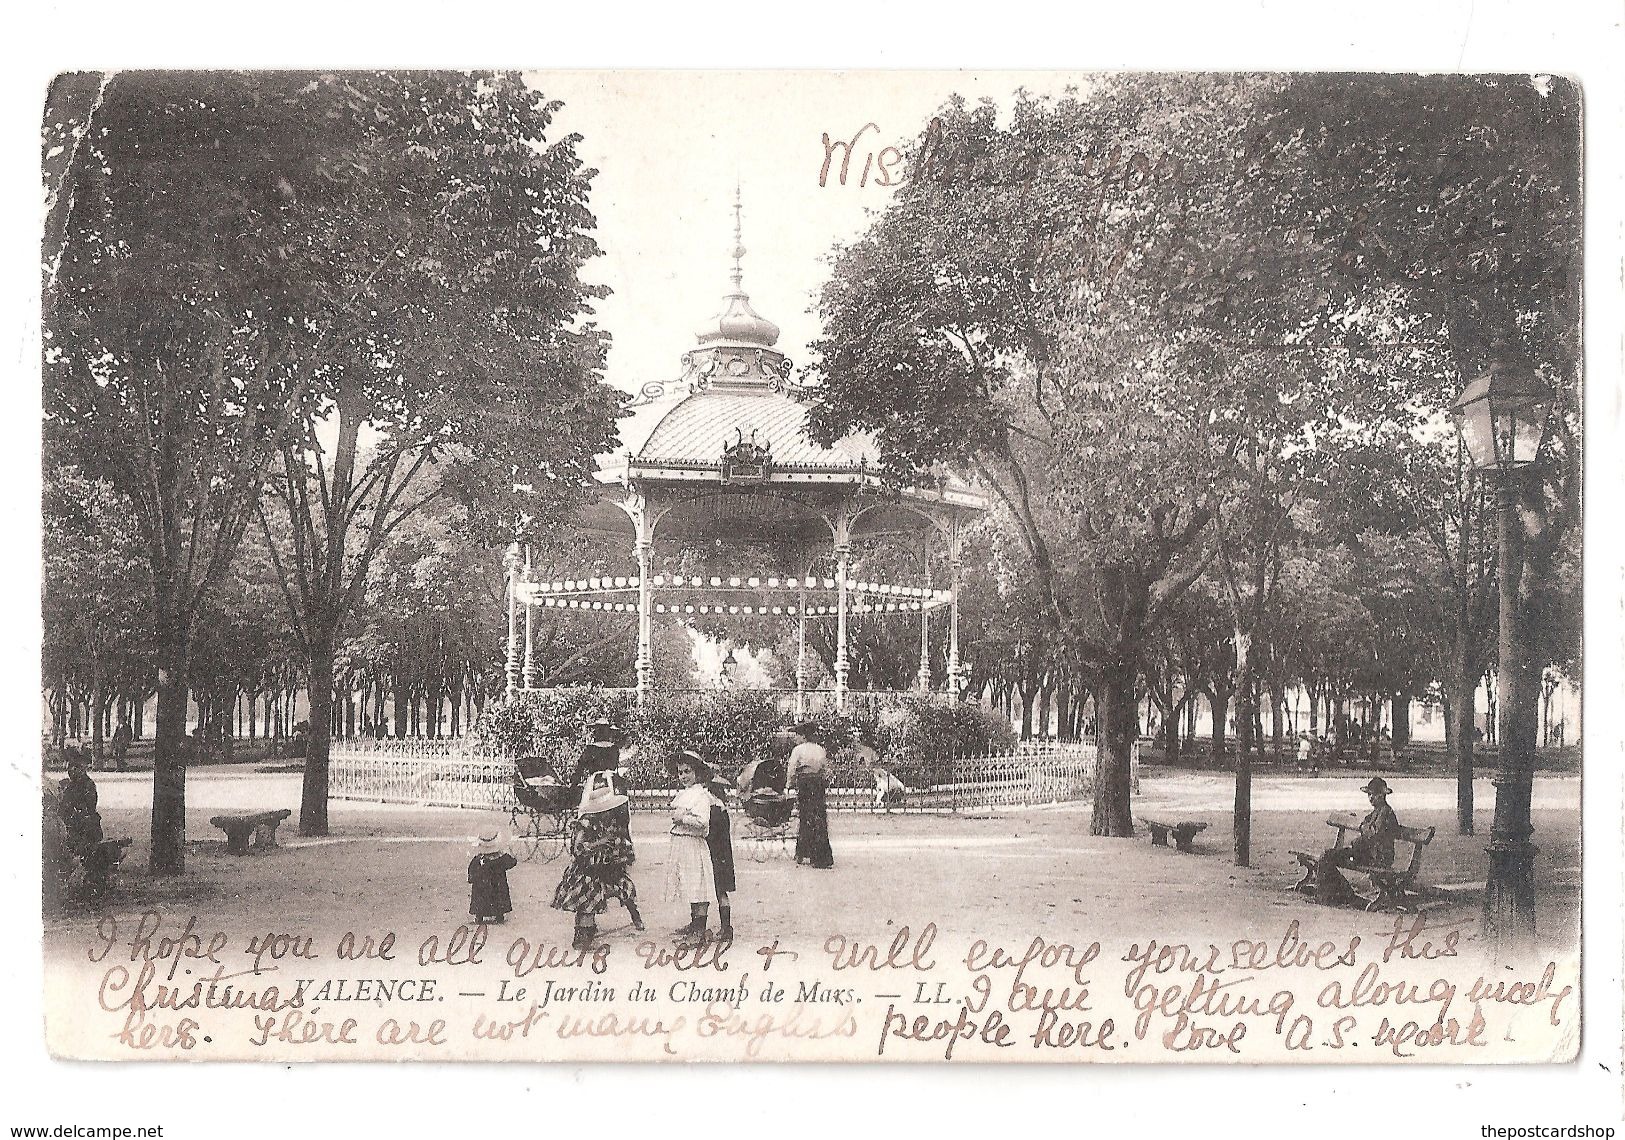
(457, 358)
(1024, 308)
(93, 603)
(1458, 198)
(168, 330)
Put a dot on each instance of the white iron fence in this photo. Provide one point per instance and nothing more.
(447, 774)
(430, 773)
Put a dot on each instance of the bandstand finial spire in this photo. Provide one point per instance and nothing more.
(739, 240)
(738, 323)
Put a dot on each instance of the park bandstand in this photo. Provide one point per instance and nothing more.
(721, 460)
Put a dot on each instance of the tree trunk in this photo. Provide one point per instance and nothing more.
(1170, 733)
(57, 723)
(1027, 697)
(1401, 717)
(96, 738)
(402, 699)
(168, 854)
(1241, 820)
(1277, 719)
(1219, 705)
(1258, 717)
(313, 795)
(1113, 811)
(1460, 682)
(228, 725)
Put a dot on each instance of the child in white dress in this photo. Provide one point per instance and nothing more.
(690, 877)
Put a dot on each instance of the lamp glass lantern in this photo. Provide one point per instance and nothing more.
(1503, 418)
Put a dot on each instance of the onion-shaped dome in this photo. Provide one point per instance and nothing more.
(738, 323)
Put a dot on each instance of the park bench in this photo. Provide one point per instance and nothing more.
(1394, 885)
(260, 825)
(1183, 832)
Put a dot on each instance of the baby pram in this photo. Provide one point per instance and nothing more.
(543, 810)
(768, 810)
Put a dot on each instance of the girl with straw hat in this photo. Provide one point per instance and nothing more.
(690, 877)
(600, 853)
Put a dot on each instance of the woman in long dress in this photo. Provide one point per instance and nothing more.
(690, 877)
(809, 773)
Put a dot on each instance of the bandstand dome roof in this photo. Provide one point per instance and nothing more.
(735, 400)
(697, 426)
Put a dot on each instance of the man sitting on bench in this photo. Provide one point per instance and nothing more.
(1373, 847)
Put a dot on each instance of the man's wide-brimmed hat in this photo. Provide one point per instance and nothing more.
(1377, 784)
(600, 794)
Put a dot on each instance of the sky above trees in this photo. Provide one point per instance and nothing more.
(692, 134)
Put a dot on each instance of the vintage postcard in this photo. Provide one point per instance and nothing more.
(813, 566)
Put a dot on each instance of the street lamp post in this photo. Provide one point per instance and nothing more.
(1503, 418)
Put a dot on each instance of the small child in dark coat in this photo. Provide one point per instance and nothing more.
(488, 897)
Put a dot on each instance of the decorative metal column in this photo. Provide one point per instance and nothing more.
(843, 554)
(646, 662)
(956, 680)
(1509, 893)
(922, 679)
(801, 653)
(530, 627)
(1504, 417)
(513, 561)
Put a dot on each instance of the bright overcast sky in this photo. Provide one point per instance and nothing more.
(669, 146)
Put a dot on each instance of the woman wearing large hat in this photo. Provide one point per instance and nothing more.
(600, 853)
